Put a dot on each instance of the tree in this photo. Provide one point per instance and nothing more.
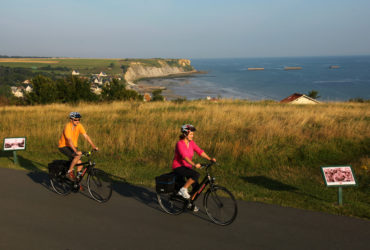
(124, 68)
(44, 91)
(157, 95)
(74, 89)
(314, 94)
(71, 89)
(116, 90)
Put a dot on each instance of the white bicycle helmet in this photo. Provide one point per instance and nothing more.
(74, 115)
(185, 129)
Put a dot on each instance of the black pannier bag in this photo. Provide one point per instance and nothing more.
(165, 183)
(58, 167)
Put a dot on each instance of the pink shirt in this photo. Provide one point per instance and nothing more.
(182, 151)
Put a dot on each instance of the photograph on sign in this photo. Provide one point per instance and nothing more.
(14, 143)
(338, 176)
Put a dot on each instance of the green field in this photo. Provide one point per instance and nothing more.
(267, 152)
(84, 65)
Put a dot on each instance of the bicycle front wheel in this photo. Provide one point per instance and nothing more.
(60, 184)
(220, 205)
(171, 203)
(99, 185)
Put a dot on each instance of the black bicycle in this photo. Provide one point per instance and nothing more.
(219, 203)
(99, 183)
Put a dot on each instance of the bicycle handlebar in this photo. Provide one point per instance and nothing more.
(208, 165)
(88, 153)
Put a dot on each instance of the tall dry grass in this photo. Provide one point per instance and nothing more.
(230, 129)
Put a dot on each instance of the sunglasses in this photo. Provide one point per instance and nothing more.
(76, 120)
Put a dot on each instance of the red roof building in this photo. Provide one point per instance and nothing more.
(297, 98)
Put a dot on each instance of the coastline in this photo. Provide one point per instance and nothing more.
(150, 84)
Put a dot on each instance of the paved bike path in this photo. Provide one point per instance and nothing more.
(33, 217)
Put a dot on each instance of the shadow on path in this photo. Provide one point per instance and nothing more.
(268, 183)
(141, 194)
(275, 185)
(36, 169)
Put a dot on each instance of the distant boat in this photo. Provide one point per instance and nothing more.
(292, 68)
(256, 68)
(334, 67)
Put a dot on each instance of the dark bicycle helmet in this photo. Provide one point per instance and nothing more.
(185, 129)
(74, 115)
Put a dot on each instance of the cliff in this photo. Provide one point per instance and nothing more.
(157, 68)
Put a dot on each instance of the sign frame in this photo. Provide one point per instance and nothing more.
(347, 169)
(12, 141)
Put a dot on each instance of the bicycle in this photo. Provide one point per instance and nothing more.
(99, 183)
(219, 203)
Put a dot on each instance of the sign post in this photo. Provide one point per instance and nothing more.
(14, 144)
(339, 176)
(340, 199)
(15, 157)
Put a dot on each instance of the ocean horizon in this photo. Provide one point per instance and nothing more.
(232, 78)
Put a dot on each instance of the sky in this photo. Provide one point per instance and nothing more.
(184, 29)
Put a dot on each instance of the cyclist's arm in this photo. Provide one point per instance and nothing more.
(205, 156)
(90, 141)
(190, 161)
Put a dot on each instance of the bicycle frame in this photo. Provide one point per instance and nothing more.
(87, 166)
(207, 180)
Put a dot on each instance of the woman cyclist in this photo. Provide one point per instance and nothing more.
(183, 164)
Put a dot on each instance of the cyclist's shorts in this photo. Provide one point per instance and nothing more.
(67, 151)
(187, 172)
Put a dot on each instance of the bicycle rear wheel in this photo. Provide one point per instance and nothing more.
(220, 205)
(59, 184)
(99, 185)
(171, 203)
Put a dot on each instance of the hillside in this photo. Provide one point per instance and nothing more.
(130, 69)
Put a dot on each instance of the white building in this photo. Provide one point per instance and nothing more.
(297, 98)
(17, 91)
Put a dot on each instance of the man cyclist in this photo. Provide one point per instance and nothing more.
(182, 162)
(69, 140)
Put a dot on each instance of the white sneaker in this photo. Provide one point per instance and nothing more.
(194, 209)
(184, 193)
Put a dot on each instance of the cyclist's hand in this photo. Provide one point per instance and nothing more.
(198, 165)
(78, 153)
(213, 160)
(96, 149)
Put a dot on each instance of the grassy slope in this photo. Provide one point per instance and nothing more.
(267, 152)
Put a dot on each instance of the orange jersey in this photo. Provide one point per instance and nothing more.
(71, 132)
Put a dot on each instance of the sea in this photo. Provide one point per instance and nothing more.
(336, 78)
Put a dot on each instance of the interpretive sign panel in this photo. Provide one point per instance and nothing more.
(11, 144)
(335, 176)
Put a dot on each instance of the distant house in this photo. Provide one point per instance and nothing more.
(17, 91)
(297, 98)
(102, 74)
(98, 80)
(75, 73)
(28, 89)
(96, 89)
(212, 99)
